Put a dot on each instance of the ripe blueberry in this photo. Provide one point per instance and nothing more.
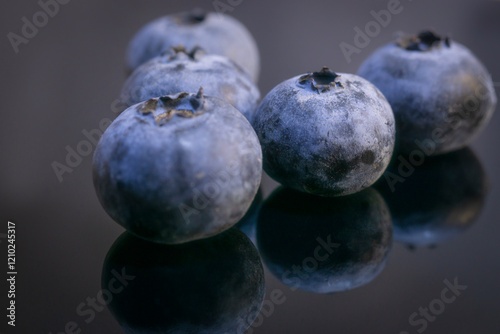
(439, 91)
(324, 245)
(178, 168)
(183, 71)
(215, 32)
(325, 133)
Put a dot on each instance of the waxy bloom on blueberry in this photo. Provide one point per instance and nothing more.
(180, 70)
(178, 168)
(215, 32)
(441, 94)
(325, 133)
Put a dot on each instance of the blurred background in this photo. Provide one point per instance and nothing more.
(65, 79)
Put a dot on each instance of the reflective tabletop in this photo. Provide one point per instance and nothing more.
(417, 252)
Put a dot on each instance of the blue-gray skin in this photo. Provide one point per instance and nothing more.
(324, 245)
(183, 71)
(443, 197)
(325, 134)
(178, 168)
(441, 94)
(216, 33)
(208, 286)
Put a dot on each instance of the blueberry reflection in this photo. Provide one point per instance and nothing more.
(214, 285)
(435, 200)
(324, 245)
(248, 224)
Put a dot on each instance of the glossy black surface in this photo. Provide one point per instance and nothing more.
(214, 285)
(324, 245)
(65, 80)
(441, 197)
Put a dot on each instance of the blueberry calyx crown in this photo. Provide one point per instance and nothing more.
(164, 108)
(321, 81)
(179, 52)
(192, 17)
(424, 41)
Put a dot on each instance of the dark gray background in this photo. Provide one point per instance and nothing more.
(64, 81)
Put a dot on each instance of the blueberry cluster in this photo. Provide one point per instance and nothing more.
(183, 163)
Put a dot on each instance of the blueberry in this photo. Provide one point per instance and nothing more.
(325, 133)
(178, 168)
(215, 32)
(437, 200)
(441, 94)
(183, 71)
(214, 285)
(321, 244)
